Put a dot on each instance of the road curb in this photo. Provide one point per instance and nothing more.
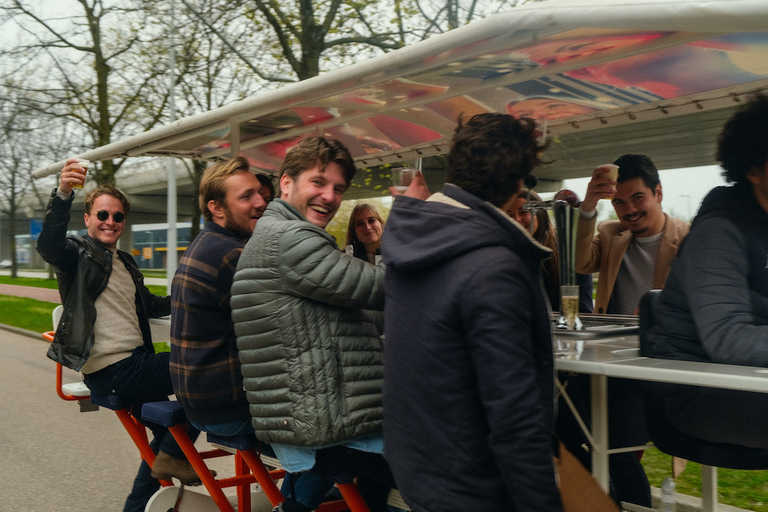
(22, 332)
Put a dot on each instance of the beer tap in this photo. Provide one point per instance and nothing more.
(565, 206)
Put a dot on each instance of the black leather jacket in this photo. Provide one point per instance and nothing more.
(83, 267)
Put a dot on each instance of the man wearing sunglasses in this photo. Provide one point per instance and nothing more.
(104, 329)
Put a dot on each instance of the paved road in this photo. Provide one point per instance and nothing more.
(55, 458)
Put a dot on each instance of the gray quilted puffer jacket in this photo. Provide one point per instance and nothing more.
(311, 354)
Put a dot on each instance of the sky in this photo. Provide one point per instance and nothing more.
(682, 189)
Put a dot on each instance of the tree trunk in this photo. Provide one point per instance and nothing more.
(12, 242)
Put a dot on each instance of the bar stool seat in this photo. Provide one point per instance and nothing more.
(249, 468)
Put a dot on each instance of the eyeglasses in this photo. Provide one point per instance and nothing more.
(103, 215)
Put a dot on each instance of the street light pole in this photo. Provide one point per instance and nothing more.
(172, 260)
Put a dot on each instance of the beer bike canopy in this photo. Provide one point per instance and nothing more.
(604, 77)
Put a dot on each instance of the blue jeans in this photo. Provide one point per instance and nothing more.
(144, 377)
(228, 429)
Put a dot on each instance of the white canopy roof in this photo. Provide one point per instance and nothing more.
(606, 76)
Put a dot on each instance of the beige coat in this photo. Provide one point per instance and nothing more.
(603, 252)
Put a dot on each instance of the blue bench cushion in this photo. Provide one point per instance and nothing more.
(113, 402)
(167, 414)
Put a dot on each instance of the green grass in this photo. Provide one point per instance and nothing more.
(30, 281)
(154, 273)
(743, 489)
(33, 315)
(53, 285)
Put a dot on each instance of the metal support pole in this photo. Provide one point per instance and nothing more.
(708, 489)
(172, 260)
(600, 430)
(234, 140)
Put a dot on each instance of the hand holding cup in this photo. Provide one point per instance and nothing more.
(409, 182)
(73, 175)
(601, 186)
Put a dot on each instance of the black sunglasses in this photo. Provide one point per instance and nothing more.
(103, 215)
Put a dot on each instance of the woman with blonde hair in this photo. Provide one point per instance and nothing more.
(364, 233)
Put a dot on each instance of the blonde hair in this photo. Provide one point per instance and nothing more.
(212, 183)
(107, 189)
(351, 234)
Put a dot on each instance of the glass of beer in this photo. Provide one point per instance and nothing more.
(569, 297)
(402, 177)
(84, 164)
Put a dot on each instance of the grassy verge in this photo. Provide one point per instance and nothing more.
(30, 281)
(33, 315)
(161, 274)
(53, 285)
(743, 489)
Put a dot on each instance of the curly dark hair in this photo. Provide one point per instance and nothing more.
(743, 143)
(491, 153)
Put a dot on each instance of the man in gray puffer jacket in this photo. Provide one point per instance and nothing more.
(309, 326)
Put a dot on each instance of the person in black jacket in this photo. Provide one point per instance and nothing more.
(468, 368)
(104, 328)
(715, 305)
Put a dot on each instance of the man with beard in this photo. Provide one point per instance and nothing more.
(633, 255)
(204, 360)
(309, 330)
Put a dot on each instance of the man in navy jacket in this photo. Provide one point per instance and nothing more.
(715, 305)
(468, 372)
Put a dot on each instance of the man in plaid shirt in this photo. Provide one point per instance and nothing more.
(204, 361)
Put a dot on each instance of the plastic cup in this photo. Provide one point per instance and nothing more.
(613, 173)
(402, 177)
(84, 164)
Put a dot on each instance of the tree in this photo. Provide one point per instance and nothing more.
(444, 15)
(309, 34)
(19, 147)
(212, 68)
(95, 65)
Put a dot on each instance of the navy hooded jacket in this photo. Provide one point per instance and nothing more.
(468, 371)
